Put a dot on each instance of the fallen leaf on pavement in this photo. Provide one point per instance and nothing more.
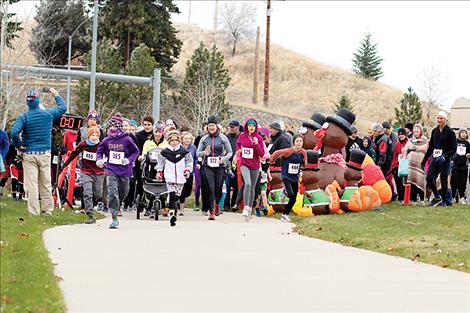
(24, 235)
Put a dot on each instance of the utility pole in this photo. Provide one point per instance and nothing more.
(215, 15)
(266, 60)
(256, 69)
(93, 56)
(189, 14)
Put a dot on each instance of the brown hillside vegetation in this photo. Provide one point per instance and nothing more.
(299, 86)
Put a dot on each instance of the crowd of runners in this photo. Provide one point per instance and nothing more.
(210, 164)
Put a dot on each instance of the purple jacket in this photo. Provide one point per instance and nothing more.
(114, 149)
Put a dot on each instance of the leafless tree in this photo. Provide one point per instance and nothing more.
(432, 88)
(238, 20)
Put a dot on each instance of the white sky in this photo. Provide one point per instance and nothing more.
(411, 36)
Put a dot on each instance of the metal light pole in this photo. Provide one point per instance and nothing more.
(93, 56)
(69, 61)
(266, 60)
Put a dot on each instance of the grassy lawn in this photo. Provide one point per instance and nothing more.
(27, 281)
(439, 236)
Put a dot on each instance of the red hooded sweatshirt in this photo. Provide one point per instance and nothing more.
(251, 153)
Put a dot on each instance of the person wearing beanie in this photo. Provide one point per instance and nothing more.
(389, 132)
(293, 159)
(175, 164)
(119, 151)
(442, 147)
(354, 142)
(459, 176)
(383, 151)
(216, 151)
(231, 181)
(250, 151)
(279, 139)
(187, 140)
(367, 147)
(409, 130)
(92, 175)
(35, 127)
(93, 118)
(399, 153)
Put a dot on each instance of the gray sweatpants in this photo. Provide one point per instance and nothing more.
(250, 177)
(92, 189)
(118, 187)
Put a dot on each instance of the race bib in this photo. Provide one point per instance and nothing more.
(55, 159)
(437, 153)
(89, 155)
(461, 150)
(294, 168)
(247, 153)
(116, 157)
(264, 177)
(213, 161)
(154, 155)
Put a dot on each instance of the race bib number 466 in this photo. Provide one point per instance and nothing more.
(116, 157)
(89, 155)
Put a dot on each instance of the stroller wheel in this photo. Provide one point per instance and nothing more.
(156, 207)
(139, 205)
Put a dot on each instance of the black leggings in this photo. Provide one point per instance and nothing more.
(399, 183)
(291, 190)
(458, 182)
(215, 180)
(415, 191)
(433, 171)
(187, 189)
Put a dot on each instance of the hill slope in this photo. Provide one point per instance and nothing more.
(299, 85)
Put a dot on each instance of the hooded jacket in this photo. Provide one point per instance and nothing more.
(250, 153)
(460, 158)
(115, 149)
(174, 162)
(36, 126)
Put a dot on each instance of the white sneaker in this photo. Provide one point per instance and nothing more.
(247, 213)
(285, 218)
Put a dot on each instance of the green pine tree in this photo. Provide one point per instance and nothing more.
(132, 22)
(56, 20)
(343, 102)
(12, 27)
(410, 109)
(204, 86)
(366, 61)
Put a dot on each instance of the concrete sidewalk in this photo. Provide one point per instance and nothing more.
(231, 265)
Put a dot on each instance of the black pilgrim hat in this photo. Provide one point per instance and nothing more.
(316, 122)
(355, 160)
(312, 160)
(344, 119)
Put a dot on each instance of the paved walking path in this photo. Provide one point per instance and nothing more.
(230, 265)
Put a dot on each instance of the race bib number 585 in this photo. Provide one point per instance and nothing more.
(116, 157)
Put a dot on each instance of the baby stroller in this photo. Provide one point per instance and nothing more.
(154, 187)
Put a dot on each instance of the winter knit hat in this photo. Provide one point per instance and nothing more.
(93, 114)
(442, 114)
(173, 135)
(401, 131)
(32, 98)
(116, 121)
(275, 125)
(134, 122)
(377, 127)
(159, 128)
(93, 129)
(212, 120)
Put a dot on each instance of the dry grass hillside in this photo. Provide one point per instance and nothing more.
(299, 86)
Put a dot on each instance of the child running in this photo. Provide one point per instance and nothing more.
(120, 151)
(92, 175)
(292, 159)
(175, 163)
